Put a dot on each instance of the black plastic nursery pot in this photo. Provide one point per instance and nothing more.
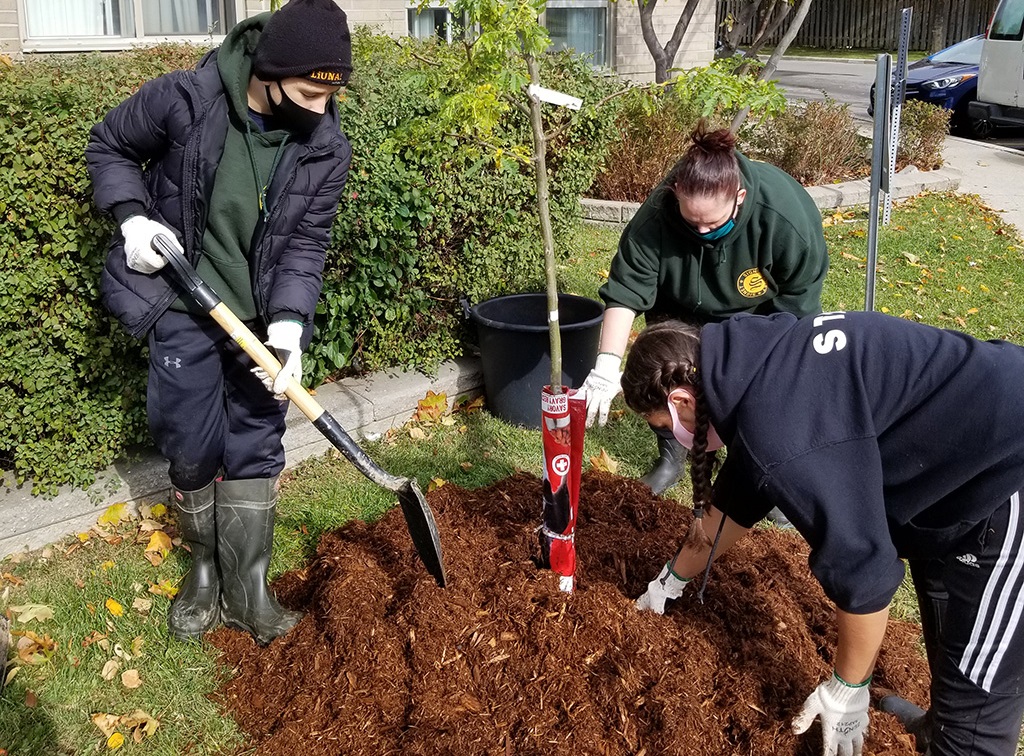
(515, 350)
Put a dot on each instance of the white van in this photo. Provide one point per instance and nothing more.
(1001, 77)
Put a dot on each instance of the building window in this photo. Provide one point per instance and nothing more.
(113, 19)
(580, 25)
(430, 22)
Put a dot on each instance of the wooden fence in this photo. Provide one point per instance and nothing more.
(875, 24)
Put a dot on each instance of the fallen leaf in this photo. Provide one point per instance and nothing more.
(141, 605)
(141, 723)
(114, 514)
(130, 679)
(110, 669)
(466, 465)
(31, 699)
(106, 722)
(604, 461)
(158, 548)
(164, 588)
(33, 649)
(106, 565)
(474, 405)
(431, 407)
(115, 741)
(113, 607)
(12, 579)
(435, 483)
(28, 612)
(417, 434)
(137, 644)
(93, 638)
(10, 675)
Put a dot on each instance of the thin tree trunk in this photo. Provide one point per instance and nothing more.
(547, 235)
(735, 34)
(773, 60)
(939, 26)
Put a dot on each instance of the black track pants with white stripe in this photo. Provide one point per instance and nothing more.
(978, 677)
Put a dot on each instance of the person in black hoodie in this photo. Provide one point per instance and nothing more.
(241, 163)
(881, 440)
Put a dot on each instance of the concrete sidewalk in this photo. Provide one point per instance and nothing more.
(994, 173)
(364, 407)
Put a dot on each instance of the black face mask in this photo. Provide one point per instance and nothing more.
(293, 116)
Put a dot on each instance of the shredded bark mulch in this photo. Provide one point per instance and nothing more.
(500, 662)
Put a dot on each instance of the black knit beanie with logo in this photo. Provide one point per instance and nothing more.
(308, 39)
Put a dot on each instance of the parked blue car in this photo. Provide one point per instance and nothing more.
(949, 79)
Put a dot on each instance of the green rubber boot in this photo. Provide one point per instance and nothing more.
(245, 536)
(668, 468)
(196, 608)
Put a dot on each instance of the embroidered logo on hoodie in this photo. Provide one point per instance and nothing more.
(751, 283)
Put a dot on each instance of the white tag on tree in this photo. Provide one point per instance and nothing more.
(555, 97)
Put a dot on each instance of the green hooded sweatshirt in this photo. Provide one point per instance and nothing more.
(773, 260)
(245, 170)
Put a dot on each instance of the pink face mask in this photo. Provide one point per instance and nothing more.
(684, 436)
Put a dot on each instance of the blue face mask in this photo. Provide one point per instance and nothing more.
(718, 233)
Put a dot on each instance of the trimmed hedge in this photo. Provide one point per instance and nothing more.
(426, 218)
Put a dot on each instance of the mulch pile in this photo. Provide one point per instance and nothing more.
(500, 662)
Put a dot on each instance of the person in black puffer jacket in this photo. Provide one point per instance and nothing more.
(241, 162)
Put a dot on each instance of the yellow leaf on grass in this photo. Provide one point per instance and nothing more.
(115, 513)
(972, 310)
(435, 483)
(431, 407)
(159, 546)
(130, 679)
(115, 741)
(29, 612)
(604, 461)
(164, 588)
(107, 565)
(984, 288)
(417, 434)
(113, 607)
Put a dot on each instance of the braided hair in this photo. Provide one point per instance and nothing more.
(664, 357)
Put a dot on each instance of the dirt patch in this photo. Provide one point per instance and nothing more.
(501, 662)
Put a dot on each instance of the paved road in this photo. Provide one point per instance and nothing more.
(848, 81)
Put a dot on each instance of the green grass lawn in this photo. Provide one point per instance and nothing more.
(945, 260)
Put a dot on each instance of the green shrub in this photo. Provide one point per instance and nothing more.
(814, 142)
(923, 129)
(654, 125)
(424, 221)
(72, 386)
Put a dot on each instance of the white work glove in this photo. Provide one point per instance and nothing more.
(668, 585)
(601, 386)
(843, 710)
(138, 232)
(283, 336)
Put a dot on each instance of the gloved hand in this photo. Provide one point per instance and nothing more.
(843, 710)
(668, 585)
(138, 232)
(283, 336)
(601, 386)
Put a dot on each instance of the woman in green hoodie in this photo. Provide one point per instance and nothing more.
(722, 234)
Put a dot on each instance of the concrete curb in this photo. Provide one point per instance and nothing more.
(364, 407)
(907, 183)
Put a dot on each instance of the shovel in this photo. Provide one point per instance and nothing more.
(418, 516)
